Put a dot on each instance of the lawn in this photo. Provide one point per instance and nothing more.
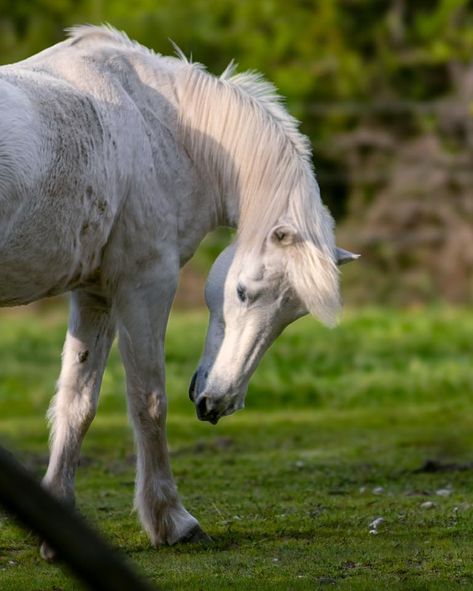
(370, 420)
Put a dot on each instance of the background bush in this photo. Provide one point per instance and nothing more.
(383, 89)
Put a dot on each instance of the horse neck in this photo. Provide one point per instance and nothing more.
(192, 194)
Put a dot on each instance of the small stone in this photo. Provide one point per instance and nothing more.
(362, 489)
(444, 492)
(377, 522)
(373, 532)
(378, 490)
(427, 505)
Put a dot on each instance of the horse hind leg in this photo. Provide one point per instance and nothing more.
(89, 337)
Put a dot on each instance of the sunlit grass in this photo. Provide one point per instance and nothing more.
(287, 487)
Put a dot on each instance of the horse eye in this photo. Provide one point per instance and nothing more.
(241, 293)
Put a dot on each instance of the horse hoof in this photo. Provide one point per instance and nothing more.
(47, 553)
(194, 536)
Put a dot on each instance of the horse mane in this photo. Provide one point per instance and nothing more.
(236, 128)
(104, 33)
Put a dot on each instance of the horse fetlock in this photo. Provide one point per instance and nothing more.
(172, 525)
(194, 536)
(60, 487)
(47, 553)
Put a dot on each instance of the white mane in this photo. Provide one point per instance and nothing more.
(237, 129)
(104, 33)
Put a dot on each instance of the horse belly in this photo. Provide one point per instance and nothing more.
(53, 251)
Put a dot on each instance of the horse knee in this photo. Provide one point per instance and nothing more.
(156, 405)
(149, 408)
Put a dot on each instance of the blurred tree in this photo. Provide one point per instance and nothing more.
(349, 68)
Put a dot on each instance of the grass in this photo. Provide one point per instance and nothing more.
(337, 425)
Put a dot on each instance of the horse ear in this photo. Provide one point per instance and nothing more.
(283, 234)
(345, 256)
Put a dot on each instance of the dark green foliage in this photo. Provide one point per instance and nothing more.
(381, 89)
(314, 51)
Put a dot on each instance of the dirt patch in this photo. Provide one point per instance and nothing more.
(434, 466)
(218, 444)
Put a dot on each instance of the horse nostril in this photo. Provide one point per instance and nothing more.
(202, 407)
(192, 386)
(206, 412)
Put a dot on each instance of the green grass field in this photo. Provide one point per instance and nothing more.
(338, 427)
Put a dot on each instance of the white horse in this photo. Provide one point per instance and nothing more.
(114, 164)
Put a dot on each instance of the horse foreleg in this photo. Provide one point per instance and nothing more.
(142, 316)
(90, 334)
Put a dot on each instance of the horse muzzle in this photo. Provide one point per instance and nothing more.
(206, 412)
(212, 409)
(210, 404)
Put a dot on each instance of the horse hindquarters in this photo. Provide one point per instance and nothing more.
(58, 199)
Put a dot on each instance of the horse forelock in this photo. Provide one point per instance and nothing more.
(311, 260)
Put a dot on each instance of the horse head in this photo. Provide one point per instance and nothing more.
(252, 296)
